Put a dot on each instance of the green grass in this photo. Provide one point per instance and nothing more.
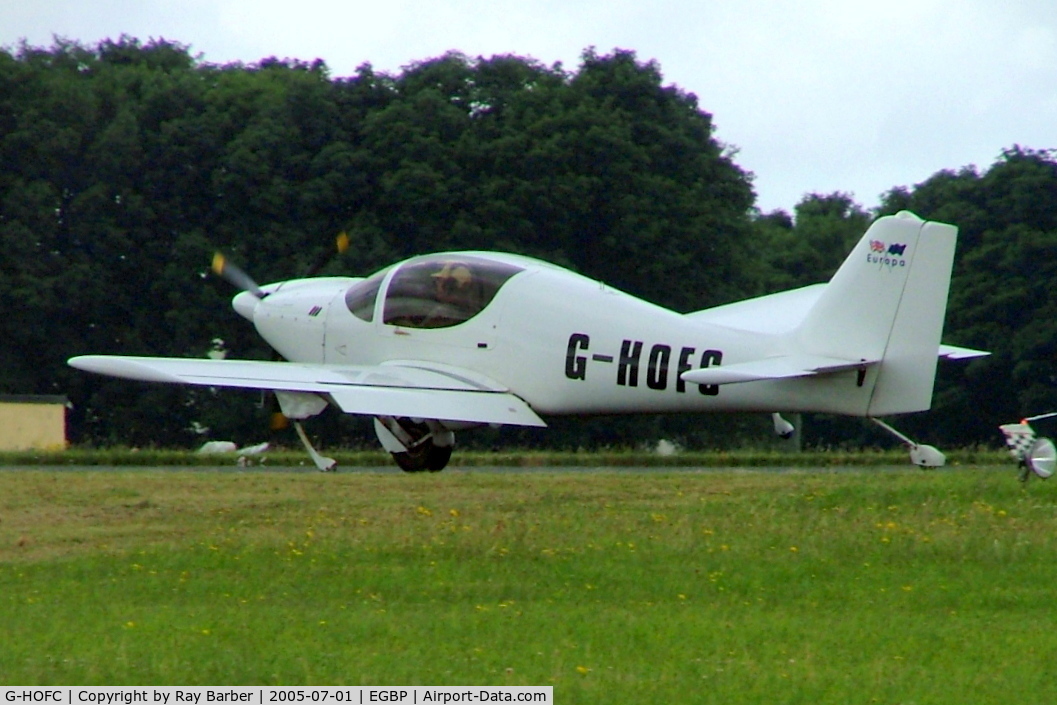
(283, 457)
(853, 586)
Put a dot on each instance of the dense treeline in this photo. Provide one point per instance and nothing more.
(125, 165)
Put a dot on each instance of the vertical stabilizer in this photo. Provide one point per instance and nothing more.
(908, 371)
(887, 302)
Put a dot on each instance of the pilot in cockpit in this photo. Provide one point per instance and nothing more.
(453, 283)
(457, 293)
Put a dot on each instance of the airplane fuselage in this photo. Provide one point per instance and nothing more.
(444, 342)
(564, 343)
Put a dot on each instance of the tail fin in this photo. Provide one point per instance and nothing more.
(887, 302)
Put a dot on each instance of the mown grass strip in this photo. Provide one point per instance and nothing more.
(283, 457)
(747, 586)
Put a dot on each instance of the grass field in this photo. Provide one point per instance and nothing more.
(727, 586)
(287, 457)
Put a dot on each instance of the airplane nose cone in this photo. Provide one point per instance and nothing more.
(245, 303)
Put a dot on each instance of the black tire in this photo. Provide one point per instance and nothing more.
(414, 460)
(424, 457)
(437, 458)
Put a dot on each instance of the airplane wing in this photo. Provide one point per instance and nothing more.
(414, 389)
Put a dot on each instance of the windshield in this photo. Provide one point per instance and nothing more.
(443, 290)
(361, 295)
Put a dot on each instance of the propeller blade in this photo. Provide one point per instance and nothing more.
(231, 273)
(341, 244)
(235, 276)
(278, 421)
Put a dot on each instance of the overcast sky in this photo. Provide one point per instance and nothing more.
(817, 95)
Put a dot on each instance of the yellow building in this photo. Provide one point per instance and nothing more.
(32, 422)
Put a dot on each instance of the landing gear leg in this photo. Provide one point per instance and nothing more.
(302, 405)
(921, 455)
(324, 464)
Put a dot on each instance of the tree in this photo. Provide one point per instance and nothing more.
(127, 164)
(1001, 295)
(809, 249)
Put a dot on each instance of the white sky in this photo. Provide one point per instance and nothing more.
(817, 95)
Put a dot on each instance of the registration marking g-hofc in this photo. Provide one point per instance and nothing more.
(656, 363)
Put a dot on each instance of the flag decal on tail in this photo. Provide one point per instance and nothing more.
(885, 254)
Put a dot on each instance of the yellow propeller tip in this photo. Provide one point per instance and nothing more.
(342, 242)
(218, 263)
(278, 421)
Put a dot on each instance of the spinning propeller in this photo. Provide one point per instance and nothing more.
(341, 243)
(234, 275)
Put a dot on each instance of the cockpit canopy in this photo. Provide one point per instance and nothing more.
(437, 291)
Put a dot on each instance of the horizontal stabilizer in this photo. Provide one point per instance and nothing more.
(791, 366)
(410, 389)
(784, 367)
(953, 352)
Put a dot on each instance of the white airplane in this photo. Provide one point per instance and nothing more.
(445, 342)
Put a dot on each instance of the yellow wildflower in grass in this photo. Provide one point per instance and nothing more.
(583, 670)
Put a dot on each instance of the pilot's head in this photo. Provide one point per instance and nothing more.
(453, 280)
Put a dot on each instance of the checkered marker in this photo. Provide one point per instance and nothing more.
(1019, 438)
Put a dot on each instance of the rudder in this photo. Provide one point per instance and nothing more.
(886, 303)
(908, 371)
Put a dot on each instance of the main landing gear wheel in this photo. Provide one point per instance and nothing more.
(422, 457)
(416, 446)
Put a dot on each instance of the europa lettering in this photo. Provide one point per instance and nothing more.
(885, 254)
(659, 363)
